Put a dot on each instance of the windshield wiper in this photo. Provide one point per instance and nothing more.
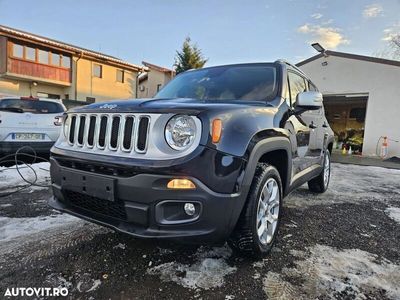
(12, 109)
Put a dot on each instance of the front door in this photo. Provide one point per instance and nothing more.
(301, 126)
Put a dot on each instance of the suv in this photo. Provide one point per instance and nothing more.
(209, 159)
(29, 121)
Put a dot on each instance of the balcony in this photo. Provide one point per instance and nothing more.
(30, 70)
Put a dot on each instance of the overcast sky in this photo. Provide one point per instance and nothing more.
(227, 31)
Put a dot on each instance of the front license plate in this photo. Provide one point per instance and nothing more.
(98, 186)
(28, 136)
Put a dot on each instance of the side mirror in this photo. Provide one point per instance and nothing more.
(309, 100)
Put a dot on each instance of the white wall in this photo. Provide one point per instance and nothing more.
(381, 81)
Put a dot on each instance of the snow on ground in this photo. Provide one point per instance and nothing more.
(329, 271)
(58, 281)
(208, 270)
(12, 228)
(10, 179)
(394, 213)
(350, 183)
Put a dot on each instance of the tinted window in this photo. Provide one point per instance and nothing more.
(297, 85)
(287, 94)
(32, 106)
(256, 83)
(312, 87)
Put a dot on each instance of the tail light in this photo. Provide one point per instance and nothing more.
(58, 120)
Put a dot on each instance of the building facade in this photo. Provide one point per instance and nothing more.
(153, 80)
(31, 65)
(361, 98)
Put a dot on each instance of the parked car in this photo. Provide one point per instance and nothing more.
(209, 159)
(28, 121)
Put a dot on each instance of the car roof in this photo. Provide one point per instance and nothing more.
(279, 62)
(234, 65)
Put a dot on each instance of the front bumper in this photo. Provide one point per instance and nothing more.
(142, 206)
(12, 147)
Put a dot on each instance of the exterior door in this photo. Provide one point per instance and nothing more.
(300, 126)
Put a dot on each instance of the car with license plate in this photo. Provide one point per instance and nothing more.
(209, 159)
(28, 121)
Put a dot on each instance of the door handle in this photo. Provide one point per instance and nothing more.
(325, 125)
(312, 125)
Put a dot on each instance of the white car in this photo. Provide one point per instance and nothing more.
(29, 121)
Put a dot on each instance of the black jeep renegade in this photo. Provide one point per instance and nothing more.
(209, 159)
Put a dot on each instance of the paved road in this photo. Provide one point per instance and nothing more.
(342, 244)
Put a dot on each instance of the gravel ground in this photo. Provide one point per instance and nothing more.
(344, 244)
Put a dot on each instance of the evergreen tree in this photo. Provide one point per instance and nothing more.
(190, 57)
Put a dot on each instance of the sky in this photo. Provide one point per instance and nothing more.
(226, 31)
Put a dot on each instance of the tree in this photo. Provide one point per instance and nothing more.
(392, 51)
(190, 57)
(395, 43)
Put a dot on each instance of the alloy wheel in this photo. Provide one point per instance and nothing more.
(268, 211)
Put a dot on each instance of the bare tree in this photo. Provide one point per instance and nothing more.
(392, 50)
(395, 45)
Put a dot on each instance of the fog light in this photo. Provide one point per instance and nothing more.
(190, 209)
(184, 184)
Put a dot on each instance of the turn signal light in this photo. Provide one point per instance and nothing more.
(216, 130)
(181, 184)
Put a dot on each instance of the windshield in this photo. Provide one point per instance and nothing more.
(253, 83)
(31, 106)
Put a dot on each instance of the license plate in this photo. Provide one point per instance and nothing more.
(28, 136)
(98, 186)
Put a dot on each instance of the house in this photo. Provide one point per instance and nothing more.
(32, 65)
(361, 97)
(153, 80)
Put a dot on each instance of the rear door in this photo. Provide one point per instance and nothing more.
(318, 139)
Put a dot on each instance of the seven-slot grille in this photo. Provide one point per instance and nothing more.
(109, 131)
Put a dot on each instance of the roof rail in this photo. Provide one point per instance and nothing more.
(290, 64)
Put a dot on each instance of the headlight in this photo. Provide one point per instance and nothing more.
(67, 121)
(180, 132)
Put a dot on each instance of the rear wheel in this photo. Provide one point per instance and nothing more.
(258, 224)
(320, 183)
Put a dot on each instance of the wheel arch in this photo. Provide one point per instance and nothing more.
(275, 151)
(268, 150)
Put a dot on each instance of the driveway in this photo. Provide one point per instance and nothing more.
(341, 244)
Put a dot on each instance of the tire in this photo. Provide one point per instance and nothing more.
(245, 237)
(320, 183)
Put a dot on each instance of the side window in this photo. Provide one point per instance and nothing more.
(287, 95)
(297, 85)
(312, 87)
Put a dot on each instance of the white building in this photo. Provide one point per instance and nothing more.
(361, 94)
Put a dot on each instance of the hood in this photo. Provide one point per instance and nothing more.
(168, 105)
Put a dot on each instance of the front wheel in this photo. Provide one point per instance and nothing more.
(320, 183)
(259, 221)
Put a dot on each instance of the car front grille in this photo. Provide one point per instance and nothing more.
(104, 207)
(111, 132)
